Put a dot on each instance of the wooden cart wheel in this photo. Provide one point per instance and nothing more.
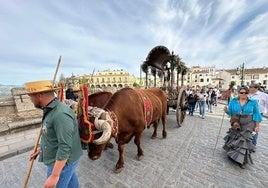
(181, 107)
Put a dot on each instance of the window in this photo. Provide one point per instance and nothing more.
(255, 76)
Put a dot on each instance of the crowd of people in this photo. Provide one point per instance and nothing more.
(246, 107)
(202, 98)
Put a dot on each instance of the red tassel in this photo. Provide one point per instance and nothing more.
(60, 92)
(86, 127)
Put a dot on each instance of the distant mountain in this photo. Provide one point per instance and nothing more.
(5, 90)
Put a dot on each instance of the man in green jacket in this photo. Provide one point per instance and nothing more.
(60, 146)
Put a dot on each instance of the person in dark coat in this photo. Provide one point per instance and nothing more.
(192, 99)
(69, 94)
(211, 99)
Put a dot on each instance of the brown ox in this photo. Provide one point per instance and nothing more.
(129, 107)
(99, 99)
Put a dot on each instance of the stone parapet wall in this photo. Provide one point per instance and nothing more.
(17, 108)
(7, 106)
(22, 100)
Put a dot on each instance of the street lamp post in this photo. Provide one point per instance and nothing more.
(240, 71)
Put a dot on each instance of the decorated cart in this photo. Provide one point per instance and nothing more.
(163, 63)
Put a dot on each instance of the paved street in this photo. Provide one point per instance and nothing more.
(186, 158)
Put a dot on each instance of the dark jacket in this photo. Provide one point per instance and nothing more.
(192, 98)
(69, 94)
(212, 98)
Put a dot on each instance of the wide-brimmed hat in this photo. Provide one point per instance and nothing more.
(39, 87)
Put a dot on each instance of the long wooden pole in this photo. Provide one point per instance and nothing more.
(219, 133)
(39, 135)
(56, 72)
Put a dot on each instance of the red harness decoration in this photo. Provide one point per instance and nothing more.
(147, 106)
(115, 123)
(85, 126)
(60, 92)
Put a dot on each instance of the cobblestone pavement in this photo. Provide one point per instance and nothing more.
(186, 158)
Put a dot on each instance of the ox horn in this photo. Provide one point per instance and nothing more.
(104, 126)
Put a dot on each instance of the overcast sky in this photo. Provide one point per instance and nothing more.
(118, 34)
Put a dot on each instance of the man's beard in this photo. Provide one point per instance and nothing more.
(38, 105)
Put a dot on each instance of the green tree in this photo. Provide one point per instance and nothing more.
(184, 71)
(232, 84)
(153, 71)
(84, 81)
(160, 75)
(145, 69)
(178, 67)
(136, 85)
